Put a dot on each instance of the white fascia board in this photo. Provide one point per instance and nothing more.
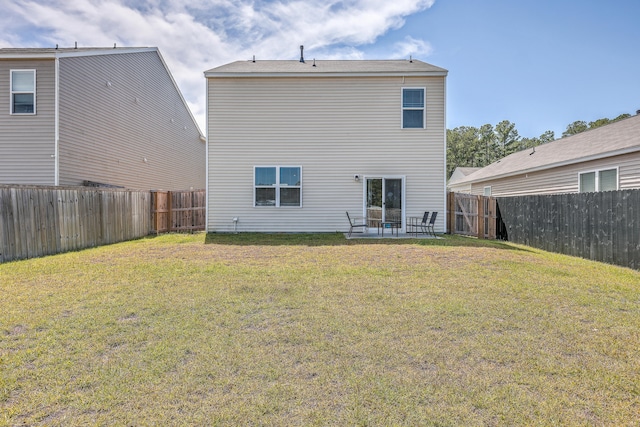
(327, 74)
(98, 52)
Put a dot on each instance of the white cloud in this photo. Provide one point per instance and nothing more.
(411, 47)
(194, 35)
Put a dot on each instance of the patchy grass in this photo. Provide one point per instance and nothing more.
(317, 330)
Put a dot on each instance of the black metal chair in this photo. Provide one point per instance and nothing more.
(430, 226)
(353, 224)
(414, 227)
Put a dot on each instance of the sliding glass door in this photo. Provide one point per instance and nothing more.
(384, 200)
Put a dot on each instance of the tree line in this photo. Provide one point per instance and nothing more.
(469, 146)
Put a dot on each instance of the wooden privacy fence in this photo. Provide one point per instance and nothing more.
(178, 211)
(603, 226)
(471, 215)
(37, 221)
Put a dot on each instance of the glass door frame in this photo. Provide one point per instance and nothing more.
(403, 202)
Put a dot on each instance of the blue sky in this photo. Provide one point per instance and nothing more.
(540, 64)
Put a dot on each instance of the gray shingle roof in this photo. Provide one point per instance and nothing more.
(41, 52)
(610, 140)
(373, 67)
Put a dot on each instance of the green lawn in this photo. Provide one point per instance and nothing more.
(317, 330)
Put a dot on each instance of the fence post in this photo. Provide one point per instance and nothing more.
(451, 212)
(480, 220)
(492, 217)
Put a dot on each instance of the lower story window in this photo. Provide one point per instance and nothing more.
(277, 186)
(599, 180)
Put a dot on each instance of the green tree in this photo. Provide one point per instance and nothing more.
(507, 138)
(487, 145)
(547, 136)
(462, 147)
(575, 128)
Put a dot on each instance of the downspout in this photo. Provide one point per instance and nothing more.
(446, 214)
(56, 157)
(206, 157)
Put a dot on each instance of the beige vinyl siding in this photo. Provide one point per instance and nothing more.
(118, 110)
(564, 179)
(333, 128)
(27, 142)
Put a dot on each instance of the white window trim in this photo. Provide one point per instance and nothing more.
(11, 93)
(596, 172)
(424, 107)
(277, 186)
(484, 191)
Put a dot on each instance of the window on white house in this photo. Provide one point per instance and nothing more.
(23, 91)
(413, 110)
(487, 191)
(278, 186)
(599, 180)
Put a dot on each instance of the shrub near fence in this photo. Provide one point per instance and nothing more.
(603, 226)
(37, 221)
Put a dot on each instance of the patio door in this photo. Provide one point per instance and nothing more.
(384, 200)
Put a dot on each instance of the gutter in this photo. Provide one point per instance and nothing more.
(325, 74)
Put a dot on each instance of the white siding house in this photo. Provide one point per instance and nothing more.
(106, 115)
(601, 159)
(292, 145)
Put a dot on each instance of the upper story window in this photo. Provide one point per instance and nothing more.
(413, 110)
(278, 186)
(23, 91)
(599, 180)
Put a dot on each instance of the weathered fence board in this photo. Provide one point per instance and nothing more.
(37, 221)
(603, 226)
(178, 211)
(472, 215)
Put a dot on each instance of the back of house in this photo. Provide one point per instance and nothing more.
(293, 145)
(111, 116)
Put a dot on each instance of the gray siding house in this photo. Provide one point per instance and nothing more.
(602, 159)
(292, 145)
(107, 115)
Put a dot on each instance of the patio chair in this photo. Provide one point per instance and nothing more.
(431, 224)
(415, 225)
(423, 224)
(355, 224)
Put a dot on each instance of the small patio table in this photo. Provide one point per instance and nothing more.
(397, 225)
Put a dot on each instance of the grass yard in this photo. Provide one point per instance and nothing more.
(317, 330)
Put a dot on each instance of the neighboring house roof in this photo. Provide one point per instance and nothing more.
(614, 139)
(55, 53)
(461, 172)
(337, 68)
(41, 52)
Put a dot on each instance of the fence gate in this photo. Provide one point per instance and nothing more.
(179, 211)
(472, 215)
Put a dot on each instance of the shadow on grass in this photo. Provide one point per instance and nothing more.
(338, 239)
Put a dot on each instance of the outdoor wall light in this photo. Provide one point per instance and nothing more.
(356, 177)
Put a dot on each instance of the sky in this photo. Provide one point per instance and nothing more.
(539, 64)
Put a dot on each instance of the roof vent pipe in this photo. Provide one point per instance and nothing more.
(301, 53)
(254, 58)
(76, 45)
